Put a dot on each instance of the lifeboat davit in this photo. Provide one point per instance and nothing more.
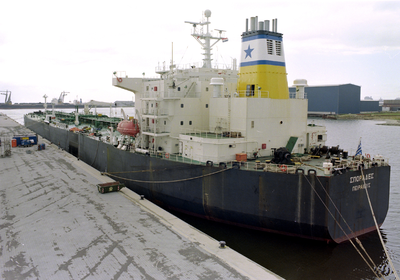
(128, 127)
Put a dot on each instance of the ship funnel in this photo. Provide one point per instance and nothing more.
(275, 25)
(253, 23)
(266, 25)
(262, 70)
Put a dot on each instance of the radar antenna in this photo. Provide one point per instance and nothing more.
(205, 39)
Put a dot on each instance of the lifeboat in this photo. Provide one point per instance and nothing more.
(75, 129)
(128, 127)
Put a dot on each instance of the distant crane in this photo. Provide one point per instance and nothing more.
(1, 92)
(61, 98)
(8, 97)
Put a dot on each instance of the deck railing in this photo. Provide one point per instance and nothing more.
(299, 167)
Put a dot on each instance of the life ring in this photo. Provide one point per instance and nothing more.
(283, 167)
(119, 80)
(368, 155)
(166, 155)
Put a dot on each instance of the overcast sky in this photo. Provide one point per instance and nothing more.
(47, 47)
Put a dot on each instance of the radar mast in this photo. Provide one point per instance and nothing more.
(204, 39)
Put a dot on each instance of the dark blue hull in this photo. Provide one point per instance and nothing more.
(316, 207)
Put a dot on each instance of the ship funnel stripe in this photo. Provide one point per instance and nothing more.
(261, 36)
(262, 62)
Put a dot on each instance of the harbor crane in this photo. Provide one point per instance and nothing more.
(8, 97)
(61, 98)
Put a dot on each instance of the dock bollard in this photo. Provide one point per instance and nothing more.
(222, 244)
(141, 197)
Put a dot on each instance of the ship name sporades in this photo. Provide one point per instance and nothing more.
(356, 179)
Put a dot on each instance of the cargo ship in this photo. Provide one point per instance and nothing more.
(229, 144)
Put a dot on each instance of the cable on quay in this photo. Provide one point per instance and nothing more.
(164, 182)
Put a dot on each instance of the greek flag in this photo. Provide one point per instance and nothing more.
(359, 150)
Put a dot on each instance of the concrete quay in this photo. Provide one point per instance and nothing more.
(54, 224)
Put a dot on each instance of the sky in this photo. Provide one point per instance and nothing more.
(49, 47)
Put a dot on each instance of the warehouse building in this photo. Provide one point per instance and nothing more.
(336, 99)
(369, 106)
(391, 105)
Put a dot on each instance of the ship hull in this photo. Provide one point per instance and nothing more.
(329, 208)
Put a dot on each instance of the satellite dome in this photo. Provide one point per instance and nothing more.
(207, 13)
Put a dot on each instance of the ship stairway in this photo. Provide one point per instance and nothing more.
(190, 88)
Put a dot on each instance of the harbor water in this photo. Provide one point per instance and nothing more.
(295, 258)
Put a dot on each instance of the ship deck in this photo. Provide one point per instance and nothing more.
(301, 162)
(261, 164)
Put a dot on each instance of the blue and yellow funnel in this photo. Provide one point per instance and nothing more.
(262, 70)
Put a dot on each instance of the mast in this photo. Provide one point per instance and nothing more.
(45, 103)
(204, 39)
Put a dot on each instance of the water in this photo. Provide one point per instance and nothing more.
(294, 258)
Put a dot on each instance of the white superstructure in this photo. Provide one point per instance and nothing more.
(210, 114)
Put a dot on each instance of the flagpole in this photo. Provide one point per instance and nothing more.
(359, 149)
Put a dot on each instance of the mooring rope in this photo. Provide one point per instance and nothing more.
(165, 182)
(137, 171)
(377, 228)
(344, 220)
(352, 243)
